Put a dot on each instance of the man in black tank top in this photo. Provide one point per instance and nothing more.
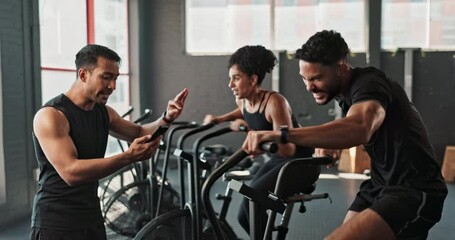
(405, 195)
(259, 109)
(70, 135)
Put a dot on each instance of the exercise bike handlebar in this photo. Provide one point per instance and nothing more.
(196, 166)
(128, 112)
(201, 139)
(147, 113)
(178, 126)
(192, 132)
(183, 123)
(315, 160)
(216, 174)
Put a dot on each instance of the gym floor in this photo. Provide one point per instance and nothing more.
(320, 218)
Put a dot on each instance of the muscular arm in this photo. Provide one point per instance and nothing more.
(361, 122)
(52, 131)
(279, 113)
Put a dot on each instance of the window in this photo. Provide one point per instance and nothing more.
(67, 26)
(442, 24)
(111, 28)
(426, 24)
(222, 26)
(403, 23)
(63, 31)
(297, 20)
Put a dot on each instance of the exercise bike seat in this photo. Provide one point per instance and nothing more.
(239, 175)
(214, 154)
(218, 149)
(291, 181)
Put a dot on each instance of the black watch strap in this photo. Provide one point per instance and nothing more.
(284, 134)
(163, 116)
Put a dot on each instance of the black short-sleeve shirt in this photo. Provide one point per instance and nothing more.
(400, 150)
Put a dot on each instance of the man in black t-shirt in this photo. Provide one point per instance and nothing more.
(405, 195)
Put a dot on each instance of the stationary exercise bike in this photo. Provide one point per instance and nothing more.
(187, 222)
(276, 202)
(134, 205)
(128, 174)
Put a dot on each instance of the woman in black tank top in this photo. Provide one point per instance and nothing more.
(260, 109)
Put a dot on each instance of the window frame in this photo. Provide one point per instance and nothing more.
(91, 31)
(2, 153)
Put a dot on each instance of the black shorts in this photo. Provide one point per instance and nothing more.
(97, 232)
(409, 212)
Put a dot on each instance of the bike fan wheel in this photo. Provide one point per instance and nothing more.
(115, 182)
(177, 224)
(128, 210)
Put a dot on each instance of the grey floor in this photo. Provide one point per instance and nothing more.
(321, 216)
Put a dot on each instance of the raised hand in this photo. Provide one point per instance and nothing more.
(175, 106)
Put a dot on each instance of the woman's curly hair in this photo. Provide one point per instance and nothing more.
(253, 60)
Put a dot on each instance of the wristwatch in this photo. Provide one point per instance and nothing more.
(166, 120)
(284, 133)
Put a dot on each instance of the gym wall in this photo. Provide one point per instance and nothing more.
(20, 71)
(166, 69)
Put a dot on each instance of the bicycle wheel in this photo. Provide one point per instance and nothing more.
(176, 225)
(128, 210)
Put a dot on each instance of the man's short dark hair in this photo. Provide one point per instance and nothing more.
(325, 47)
(88, 55)
(253, 60)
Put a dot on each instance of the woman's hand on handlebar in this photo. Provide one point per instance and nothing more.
(209, 118)
(254, 139)
(322, 152)
(237, 124)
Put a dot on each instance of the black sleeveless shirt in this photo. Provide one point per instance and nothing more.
(58, 205)
(258, 121)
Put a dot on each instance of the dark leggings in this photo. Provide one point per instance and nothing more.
(265, 179)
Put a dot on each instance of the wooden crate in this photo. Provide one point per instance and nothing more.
(354, 160)
(448, 164)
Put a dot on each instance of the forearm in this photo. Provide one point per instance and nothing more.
(286, 150)
(150, 128)
(338, 134)
(230, 116)
(81, 171)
